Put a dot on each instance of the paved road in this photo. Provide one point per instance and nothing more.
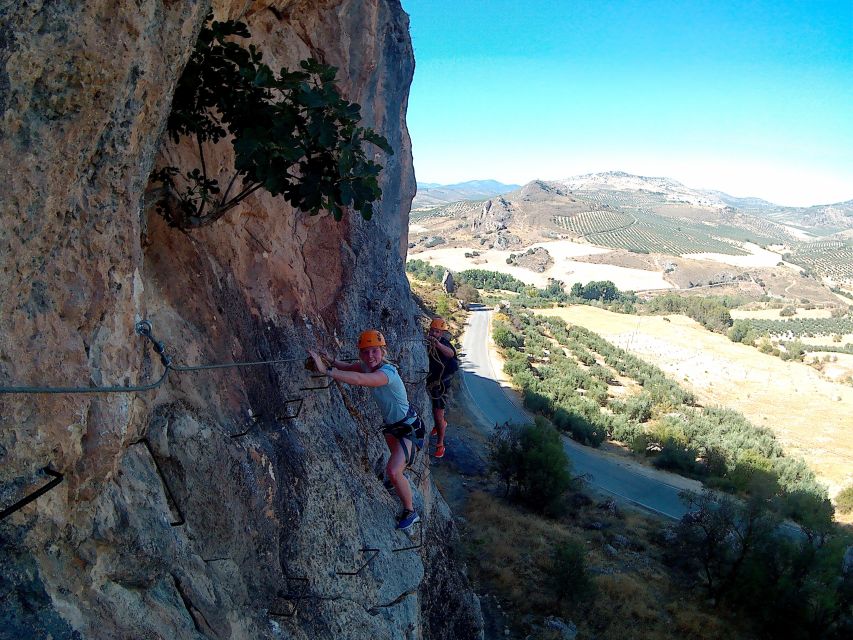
(651, 489)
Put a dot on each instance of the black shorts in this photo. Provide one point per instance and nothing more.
(439, 402)
(438, 393)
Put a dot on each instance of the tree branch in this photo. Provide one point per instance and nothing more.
(228, 190)
(241, 196)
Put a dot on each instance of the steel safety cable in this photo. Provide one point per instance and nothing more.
(143, 328)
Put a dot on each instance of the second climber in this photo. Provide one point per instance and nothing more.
(443, 363)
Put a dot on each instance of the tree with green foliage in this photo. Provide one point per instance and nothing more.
(292, 133)
(504, 336)
(739, 552)
(844, 500)
(711, 312)
(568, 575)
(742, 331)
(603, 290)
(488, 280)
(467, 294)
(423, 270)
(718, 535)
(531, 462)
(443, 306)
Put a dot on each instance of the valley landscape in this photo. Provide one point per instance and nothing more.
(644, 234)
(653, 237)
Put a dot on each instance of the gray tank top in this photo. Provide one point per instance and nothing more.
(391, 398)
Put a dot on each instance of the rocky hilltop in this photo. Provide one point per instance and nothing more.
(208, 506)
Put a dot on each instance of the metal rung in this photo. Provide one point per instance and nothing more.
(375, 553)
(415, 472)
(294, 608)
(57, 478)
(292, 598)
(326, 386)
(416, 546)
(279, 416)
(252, 422)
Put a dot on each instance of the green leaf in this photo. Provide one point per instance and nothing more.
(281, 126)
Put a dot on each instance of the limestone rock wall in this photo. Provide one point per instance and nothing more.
(169, 523)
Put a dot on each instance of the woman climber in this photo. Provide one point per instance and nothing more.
(403, 428)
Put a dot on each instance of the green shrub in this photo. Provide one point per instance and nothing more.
(515, 363)
(624, 430)
(536, 402)
(504, 337)
(582, 420)
(292, 134)
(753, 473)
(531, 462)
(844, 500)
(569, 578)
(467, 294)
(742, 331)
(676, 456)
(425, 271)
(639, 408)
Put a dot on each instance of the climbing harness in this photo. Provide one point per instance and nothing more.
(410, 428)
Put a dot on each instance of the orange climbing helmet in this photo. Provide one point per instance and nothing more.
(371, 338)
(440, 324)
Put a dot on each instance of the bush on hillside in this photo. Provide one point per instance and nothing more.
(532, 464)
(504, 336)
(467, 294)
(737, 550)
(443, 306)
(844, 500)
(569, 578)
(425, 271)
(717, 536)
(742, 331)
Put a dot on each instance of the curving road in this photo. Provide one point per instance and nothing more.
(493, 403)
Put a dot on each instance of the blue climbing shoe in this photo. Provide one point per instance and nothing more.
(407, 519)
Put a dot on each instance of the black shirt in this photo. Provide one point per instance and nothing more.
(441, 367)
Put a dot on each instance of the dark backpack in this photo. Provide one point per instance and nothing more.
(452, 365)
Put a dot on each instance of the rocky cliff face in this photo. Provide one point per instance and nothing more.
(205, 507)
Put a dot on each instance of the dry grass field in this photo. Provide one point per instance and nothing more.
(811, 416)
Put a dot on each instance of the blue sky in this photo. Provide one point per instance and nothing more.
(754, 98)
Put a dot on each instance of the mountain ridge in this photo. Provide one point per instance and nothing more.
(623, 180)
(432, 194)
